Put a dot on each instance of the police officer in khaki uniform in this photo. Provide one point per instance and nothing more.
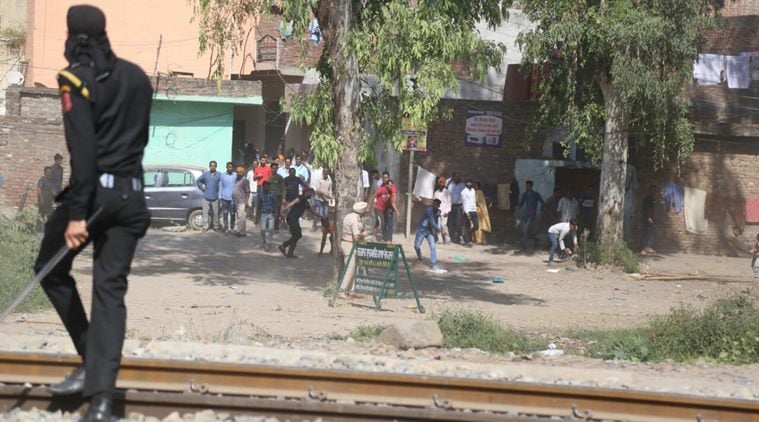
(106, 109)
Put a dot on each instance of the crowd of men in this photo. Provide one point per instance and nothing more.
(272, 193)
(562, 214)
(49, 186)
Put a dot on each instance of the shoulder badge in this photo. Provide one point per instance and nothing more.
(67, 78)
(66, 103)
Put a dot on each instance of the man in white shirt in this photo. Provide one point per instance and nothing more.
(469, 205)
(253, 191)
(322, 186)
(444, 196)
(556, 235)
(365, 183)
(456, 217)
(284, 171)
(302, 171)
(568, 207)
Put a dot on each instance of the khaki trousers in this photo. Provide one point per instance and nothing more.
(350, 272)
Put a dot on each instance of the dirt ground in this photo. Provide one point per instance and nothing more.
(201, 286)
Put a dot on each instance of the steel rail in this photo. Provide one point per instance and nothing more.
(343, 388)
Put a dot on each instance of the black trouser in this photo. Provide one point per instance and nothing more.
(115, 233)
(454, 222)
(295, 232)
(388, 221)
(469, 230)
(278, 213)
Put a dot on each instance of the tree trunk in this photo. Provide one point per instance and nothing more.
(611, 196)
(335, 20)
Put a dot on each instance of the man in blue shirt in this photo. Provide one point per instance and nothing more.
(209, 183)
(301, 170)
(268, 208)
(227, 188)
(426, 229)
(530, 200)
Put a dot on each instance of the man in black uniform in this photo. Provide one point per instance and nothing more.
(295, 210)
(106, 110)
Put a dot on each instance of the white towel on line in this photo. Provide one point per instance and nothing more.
(707, 69)
(738, 70)
(694, 202)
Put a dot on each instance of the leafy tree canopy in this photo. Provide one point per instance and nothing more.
(408, 54)
(642, 49)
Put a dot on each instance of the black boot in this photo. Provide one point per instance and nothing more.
(100, 409)
(72, 384)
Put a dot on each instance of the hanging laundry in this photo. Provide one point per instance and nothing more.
(708, 69)
(673, 197)
(753, 64)
(694, 203)
(752, 210)
(738, 70)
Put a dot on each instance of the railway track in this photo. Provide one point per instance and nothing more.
(159, 387)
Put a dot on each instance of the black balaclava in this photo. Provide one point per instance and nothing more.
(87, 43)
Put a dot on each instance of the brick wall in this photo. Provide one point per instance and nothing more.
(738, 35)
(740, 8)
(205, 87)
(725, 165)
(290, 50)
(32, 130)
(446, 152)
(27, 145)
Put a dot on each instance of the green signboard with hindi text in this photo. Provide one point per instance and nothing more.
(377, 271)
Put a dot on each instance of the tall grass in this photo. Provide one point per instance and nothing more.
(466, 329)
(19, 244)
(725, 331)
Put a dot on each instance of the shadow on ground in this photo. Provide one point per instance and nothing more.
(214, 259)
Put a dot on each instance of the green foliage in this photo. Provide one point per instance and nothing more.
(392, 43)
(367, 332)
(625, 344)
(725, 331)
(643, 50)
(466, 329)
(620, 255)
(18, 251)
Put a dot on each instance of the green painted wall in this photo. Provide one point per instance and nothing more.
(190, 133)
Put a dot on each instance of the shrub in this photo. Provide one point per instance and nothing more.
(466, 329)
(367, 332)
(18, 251)
(620, 256)
(725, 331)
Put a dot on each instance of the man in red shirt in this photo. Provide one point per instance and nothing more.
(262, 172)
(385, 207)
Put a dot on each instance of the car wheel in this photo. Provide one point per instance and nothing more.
(195, 220)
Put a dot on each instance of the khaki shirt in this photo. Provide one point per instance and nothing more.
(352, 227)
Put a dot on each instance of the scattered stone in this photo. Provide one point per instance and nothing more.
(550, 353)
(174, 229)
(173, 417)
(135, 417)
(413, 334)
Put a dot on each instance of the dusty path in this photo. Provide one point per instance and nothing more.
(208, 287)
